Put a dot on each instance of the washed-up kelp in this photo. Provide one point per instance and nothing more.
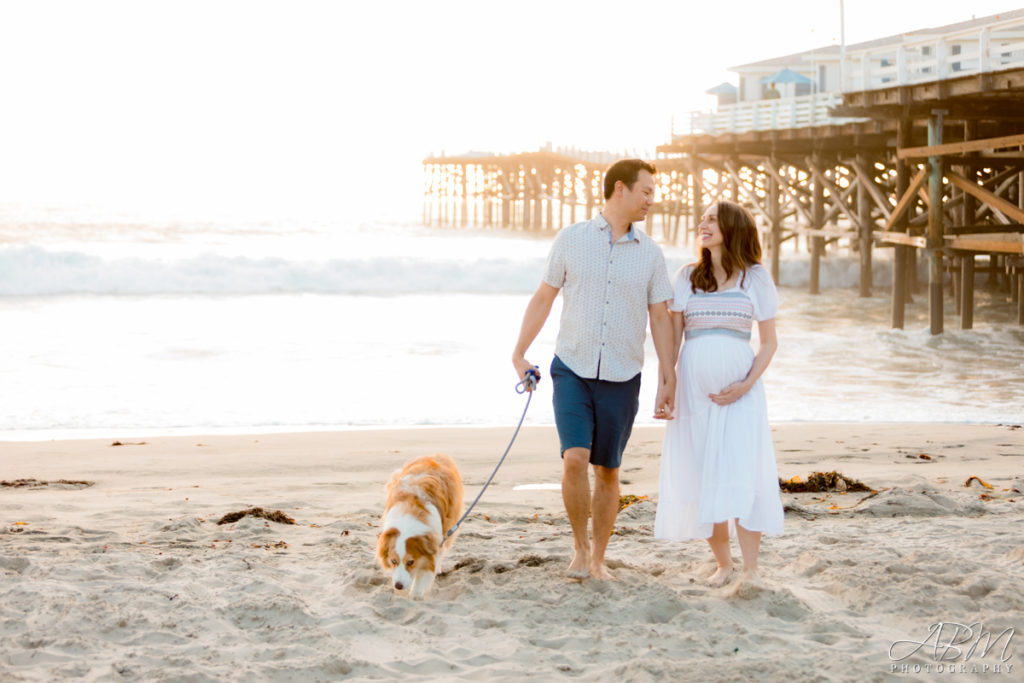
(272, 515)
(822, 481)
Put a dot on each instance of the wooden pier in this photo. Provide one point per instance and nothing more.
(536, 191)
(923, 154)
(543, 190)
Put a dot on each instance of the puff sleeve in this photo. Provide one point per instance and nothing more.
(658, 287)
(682, 289)
(759, 287)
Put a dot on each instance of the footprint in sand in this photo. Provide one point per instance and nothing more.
(829, 631)
(471, 565)
(778, 603)
(489, 623)
(368, 581)
(661, 611)
(15, 564)
(166, 563)
(809, 564)
(537, 560)
(981, 587)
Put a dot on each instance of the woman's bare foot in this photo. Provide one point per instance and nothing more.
(750, 577)
(720, 576)
(600, 572)
(579, 567)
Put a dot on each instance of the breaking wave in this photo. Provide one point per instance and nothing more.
(37, 271)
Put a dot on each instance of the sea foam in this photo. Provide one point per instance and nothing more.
(40, 271)
(35, 271)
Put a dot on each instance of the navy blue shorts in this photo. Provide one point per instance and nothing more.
(594, 414)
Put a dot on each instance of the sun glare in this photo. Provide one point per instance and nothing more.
(324, 106)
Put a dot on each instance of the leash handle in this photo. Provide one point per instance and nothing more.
(529, 382)
(531, 376)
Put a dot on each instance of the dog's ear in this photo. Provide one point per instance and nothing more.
(425, 546)
(385, 542)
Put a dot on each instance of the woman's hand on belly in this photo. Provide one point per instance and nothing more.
(731, 393)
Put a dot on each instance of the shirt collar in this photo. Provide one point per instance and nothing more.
(603, 224)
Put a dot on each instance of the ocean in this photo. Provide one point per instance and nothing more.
(120, 325)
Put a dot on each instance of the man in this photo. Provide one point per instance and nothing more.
(609, 273)
(772, 93)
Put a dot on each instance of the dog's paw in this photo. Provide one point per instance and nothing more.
(420, 585)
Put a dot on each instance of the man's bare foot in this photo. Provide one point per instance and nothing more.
(579, 567)
(720, 576)
(600, 572)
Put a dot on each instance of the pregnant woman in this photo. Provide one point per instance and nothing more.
(718, 462)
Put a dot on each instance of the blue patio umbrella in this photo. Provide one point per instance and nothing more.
(727, 93)
(786, 75)
(723, 89)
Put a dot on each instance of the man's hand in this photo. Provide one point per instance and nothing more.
(522, 366)
(533, 320)
(664, 402)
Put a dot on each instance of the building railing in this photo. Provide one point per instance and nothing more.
(918, 59)
(599, 157)
(786, 112)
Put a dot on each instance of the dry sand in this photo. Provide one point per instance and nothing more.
(131, 578)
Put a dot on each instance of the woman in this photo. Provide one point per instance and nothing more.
(718, 462)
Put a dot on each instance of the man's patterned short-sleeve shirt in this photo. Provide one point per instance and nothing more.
(606, 289)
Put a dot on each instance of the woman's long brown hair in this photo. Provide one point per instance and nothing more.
(741, 247)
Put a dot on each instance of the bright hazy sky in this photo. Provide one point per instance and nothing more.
(260, 106)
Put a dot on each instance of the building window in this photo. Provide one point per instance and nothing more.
(886, 63)
(822, 87)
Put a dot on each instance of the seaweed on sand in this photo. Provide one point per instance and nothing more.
(38, 484)
(822, 481)
(628, 499)
(272, 515)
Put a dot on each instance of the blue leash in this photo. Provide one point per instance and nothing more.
(526, 386)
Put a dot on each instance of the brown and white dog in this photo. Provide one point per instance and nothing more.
(424, 500)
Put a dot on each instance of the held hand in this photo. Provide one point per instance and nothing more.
(664, 402)
(730, 394)
(522, 366)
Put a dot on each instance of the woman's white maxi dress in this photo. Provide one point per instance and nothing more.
(718, 462)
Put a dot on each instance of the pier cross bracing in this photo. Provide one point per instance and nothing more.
(918, 147)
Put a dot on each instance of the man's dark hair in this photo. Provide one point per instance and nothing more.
(627, 171)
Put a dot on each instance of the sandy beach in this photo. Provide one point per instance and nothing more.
(129, 577)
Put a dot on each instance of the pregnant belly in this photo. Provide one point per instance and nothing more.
(712, 362)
